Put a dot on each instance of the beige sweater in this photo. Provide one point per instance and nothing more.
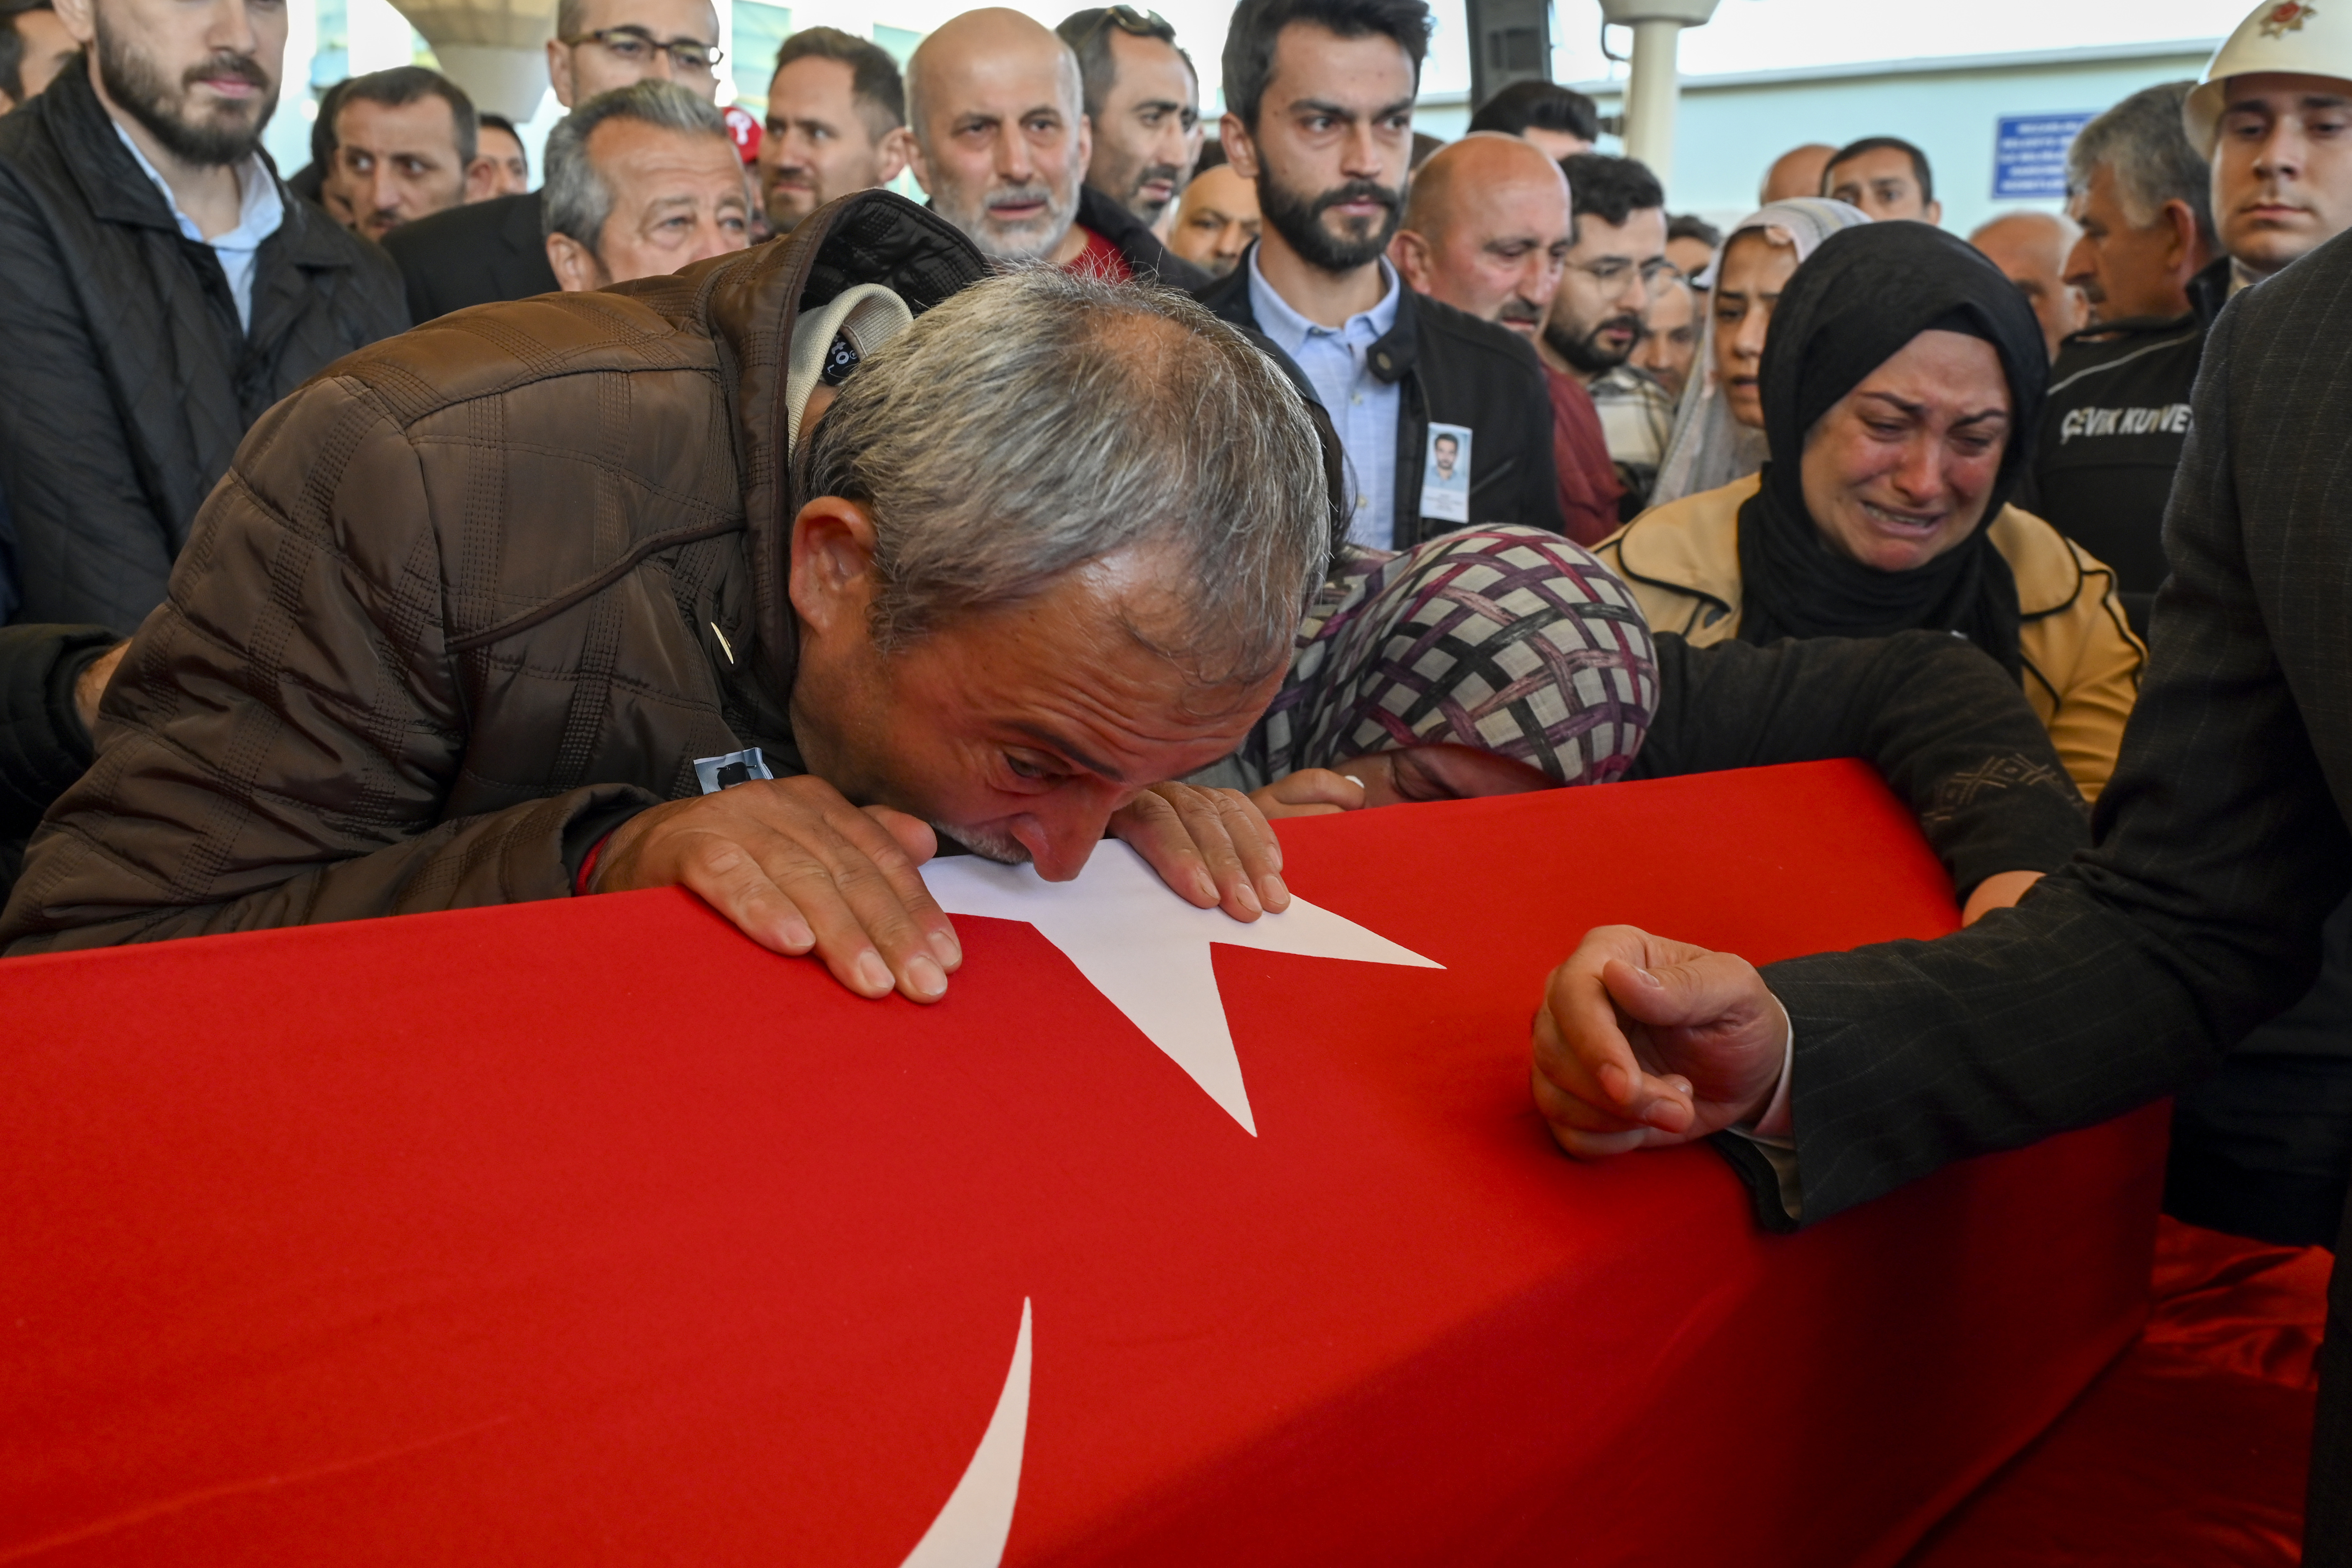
(2081, 662)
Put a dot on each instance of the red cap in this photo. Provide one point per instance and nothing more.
(742, 125)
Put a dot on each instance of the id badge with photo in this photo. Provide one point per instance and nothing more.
(1445, 474)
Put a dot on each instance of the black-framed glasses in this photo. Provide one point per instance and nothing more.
(636, 47)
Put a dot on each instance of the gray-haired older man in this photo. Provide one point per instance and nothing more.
(641, 181)
(482, 616)
(2117, 418)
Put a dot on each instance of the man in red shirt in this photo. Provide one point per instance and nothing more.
(1002, 144)
(1488, 230)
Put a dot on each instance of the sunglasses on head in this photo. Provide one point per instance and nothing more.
(1136, 23)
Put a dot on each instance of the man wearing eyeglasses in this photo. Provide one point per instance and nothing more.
(1143, 101)
(497, 249)
(1318, 97)
(1618, 257)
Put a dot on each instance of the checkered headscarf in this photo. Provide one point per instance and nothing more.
(1506, 639)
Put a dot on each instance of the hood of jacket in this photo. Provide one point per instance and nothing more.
(749, 302)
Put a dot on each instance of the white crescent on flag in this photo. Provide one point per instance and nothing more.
(1147, 950)
(971, 1530)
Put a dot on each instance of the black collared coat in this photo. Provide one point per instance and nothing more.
(129, 381)
(1451, 368)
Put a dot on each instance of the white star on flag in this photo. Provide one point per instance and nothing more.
(1147, 950)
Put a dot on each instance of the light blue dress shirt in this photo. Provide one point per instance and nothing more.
(1363, 407)
(260, 214)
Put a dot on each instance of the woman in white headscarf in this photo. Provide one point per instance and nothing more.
(1718, 433)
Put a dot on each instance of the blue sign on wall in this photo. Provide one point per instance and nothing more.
(2028, 154)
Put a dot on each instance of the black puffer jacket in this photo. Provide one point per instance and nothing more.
(129, 381)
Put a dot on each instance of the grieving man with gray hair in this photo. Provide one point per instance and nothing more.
(2118, 412)
(542, 601)
(742, 581)
(641, 181)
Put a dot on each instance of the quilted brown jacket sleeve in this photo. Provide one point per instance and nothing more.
(280, 739)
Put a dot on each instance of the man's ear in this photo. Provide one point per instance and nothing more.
(1240, 151)
(892, 154)
(575, 264)
(833, 566)
(559, 70)
(917, 164)
(1936, 212)
(76, 17)
(1409, 254)
(2184, 253)
(481, 179)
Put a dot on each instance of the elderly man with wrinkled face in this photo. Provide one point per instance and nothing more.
(641, 181)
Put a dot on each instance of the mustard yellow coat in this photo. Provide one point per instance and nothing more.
(2081, 662)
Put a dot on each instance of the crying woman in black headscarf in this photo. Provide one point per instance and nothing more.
(1902, 380)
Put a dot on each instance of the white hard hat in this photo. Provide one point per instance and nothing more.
(2292, 35)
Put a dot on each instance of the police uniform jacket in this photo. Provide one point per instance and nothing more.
(2112, 433)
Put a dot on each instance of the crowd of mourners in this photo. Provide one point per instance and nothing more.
(397, 536)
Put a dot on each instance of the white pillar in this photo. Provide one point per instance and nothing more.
(499, 80)
(1654, 87)
(1651, 94)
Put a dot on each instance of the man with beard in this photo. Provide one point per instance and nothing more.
(162, 292)
(997, 111)
(837, 123)
(1618, 257)
(1318, 98)
(1487, 231)
(1143, 105)
(497, 249)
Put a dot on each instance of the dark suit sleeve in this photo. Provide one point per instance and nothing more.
(2220, 849)
(89, 547)
(1950, 734)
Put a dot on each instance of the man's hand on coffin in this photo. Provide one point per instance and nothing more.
(1643, 1042)
(799, 868)
(1212, 845)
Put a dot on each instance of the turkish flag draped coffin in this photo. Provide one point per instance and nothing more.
(588, 1232)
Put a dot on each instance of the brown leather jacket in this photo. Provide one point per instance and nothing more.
(465, 601)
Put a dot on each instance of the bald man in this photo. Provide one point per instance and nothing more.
(1796, 173)
(1001, 144)
(1486, 229)
(2031, 249)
